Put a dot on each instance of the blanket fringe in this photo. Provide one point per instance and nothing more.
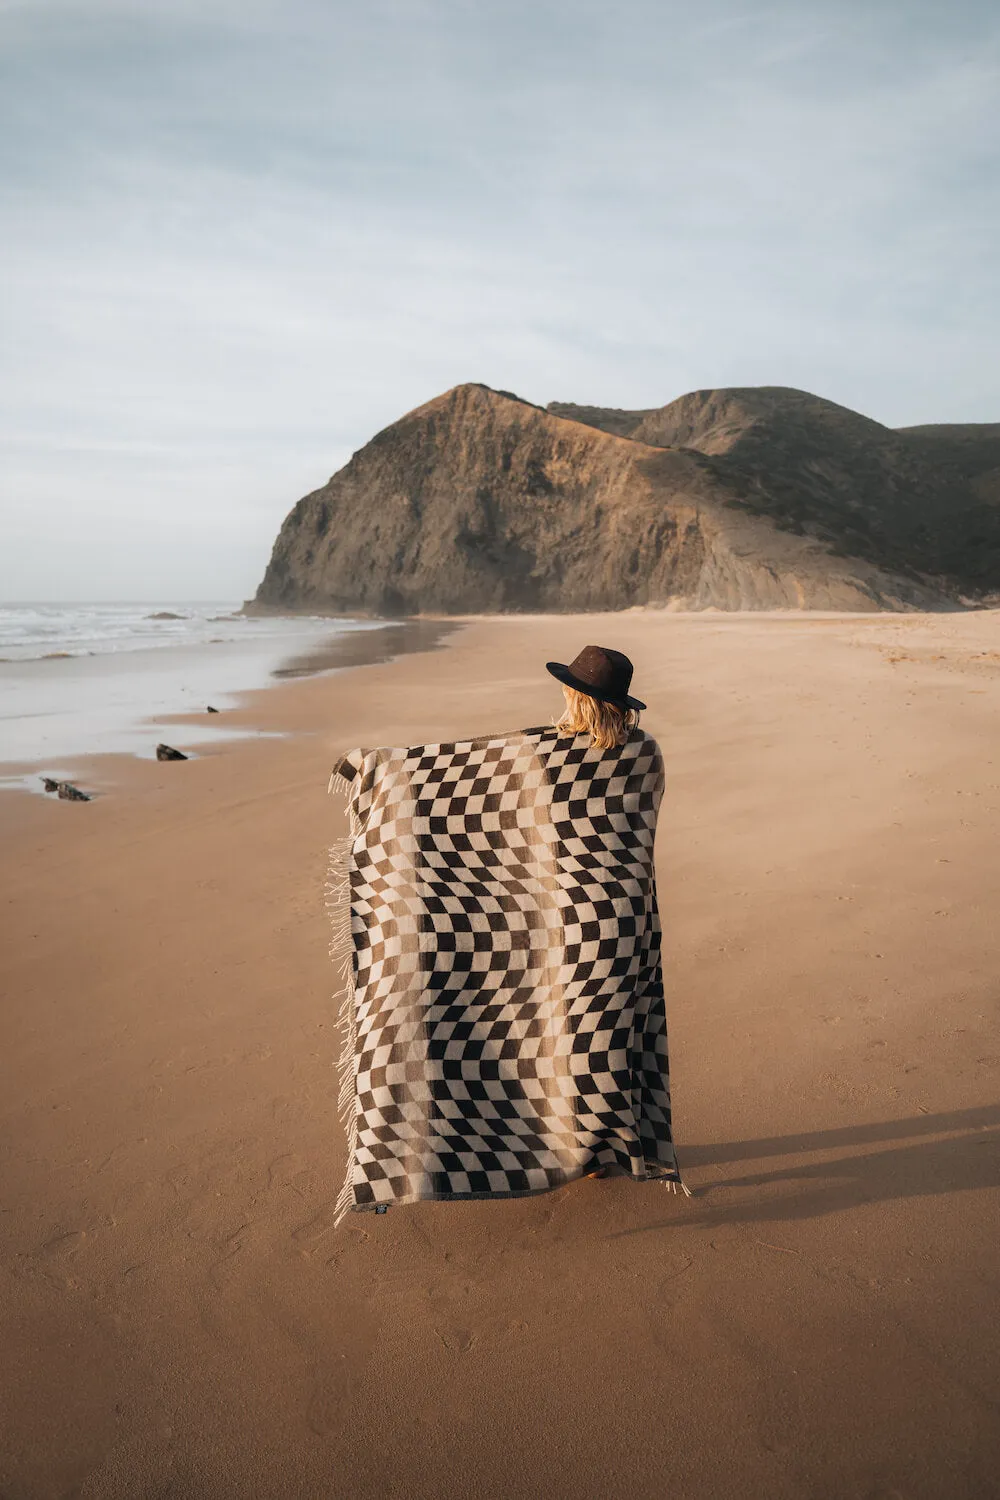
(338, 905)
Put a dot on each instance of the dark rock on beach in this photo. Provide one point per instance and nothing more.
(167, 752)
(67, 791)
(753, 498)
(70, 793)
(166, 614)
(211, 710)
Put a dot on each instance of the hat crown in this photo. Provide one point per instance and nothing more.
(600, 667)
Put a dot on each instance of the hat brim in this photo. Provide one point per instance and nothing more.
(563, 674)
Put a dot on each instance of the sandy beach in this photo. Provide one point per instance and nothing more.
(180, 1318)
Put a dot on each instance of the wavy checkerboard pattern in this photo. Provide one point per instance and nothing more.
(506, 1026)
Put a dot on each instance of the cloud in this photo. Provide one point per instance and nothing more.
(241, 238)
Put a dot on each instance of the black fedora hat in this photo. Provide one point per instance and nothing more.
(600, 673)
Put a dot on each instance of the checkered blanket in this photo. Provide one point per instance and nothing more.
(504, 1028)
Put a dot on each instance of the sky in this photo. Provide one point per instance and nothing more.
(239, 237)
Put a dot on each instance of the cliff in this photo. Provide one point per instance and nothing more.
(739, 499)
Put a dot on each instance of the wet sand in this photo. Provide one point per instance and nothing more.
(181, 1319)
(59, 709)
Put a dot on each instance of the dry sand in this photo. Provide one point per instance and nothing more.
(179, 1316)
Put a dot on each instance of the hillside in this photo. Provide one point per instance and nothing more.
(753, 499)
(922, 500)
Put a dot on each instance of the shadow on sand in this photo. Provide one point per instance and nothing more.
(969, 1159)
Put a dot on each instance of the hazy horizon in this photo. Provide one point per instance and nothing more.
(242, 238)
(37, 603)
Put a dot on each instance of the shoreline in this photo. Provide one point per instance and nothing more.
(196, 732)
(817, 1320)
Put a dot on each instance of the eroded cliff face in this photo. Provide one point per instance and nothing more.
(479, 502)
(921, 500)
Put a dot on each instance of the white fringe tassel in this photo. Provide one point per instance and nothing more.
(338, 904)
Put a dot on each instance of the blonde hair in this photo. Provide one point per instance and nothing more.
(608, 724)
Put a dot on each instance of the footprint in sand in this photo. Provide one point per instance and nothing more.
(450, 1317)
(53, 1258)
(63, 1244)
(226, 1265)
(283, 1170)
(314, 1229)
(460, 1340)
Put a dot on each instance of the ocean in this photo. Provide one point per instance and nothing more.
(38, 632)
(93, 679)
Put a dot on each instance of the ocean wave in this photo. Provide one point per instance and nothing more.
(34, 632)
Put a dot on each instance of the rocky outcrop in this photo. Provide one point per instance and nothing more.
(741, 499)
